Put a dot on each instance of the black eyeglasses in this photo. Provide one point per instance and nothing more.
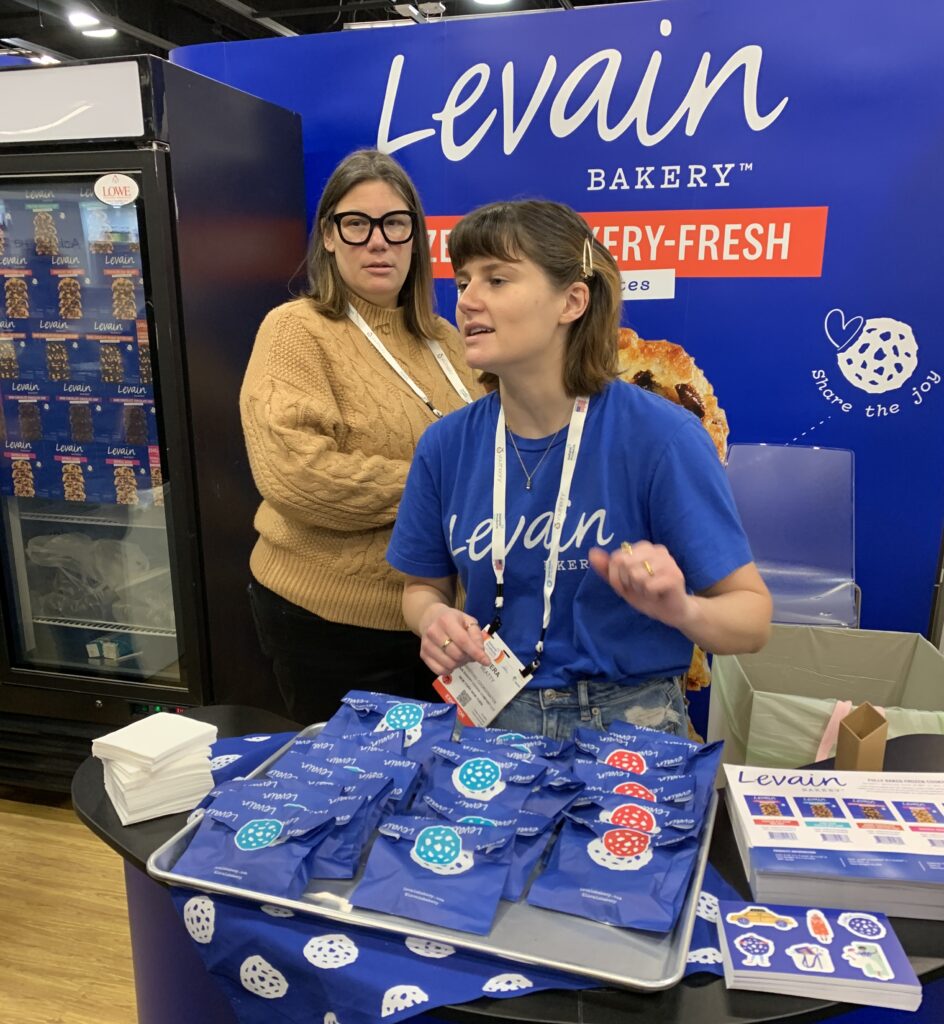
(355, 228)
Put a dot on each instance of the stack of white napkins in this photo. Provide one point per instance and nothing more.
(158, 765)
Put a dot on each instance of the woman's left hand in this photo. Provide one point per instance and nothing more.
(648, 578)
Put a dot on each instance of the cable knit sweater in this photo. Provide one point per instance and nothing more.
(331, 431)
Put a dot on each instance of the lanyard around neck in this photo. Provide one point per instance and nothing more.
(571, 449)
(438, 354)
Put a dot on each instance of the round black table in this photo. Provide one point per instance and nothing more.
(168, 968)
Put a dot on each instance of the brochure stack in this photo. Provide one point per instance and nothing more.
(841, 839)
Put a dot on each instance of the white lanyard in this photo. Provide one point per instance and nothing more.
(440, 356)
(571, 449)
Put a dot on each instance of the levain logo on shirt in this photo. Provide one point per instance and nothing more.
(535, 534)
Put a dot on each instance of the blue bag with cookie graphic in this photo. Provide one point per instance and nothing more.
(258, 837)
(641, 815)
(662, 787)
(483, 774)
(422, 723)
(436, 871)
(526, 742)
(617, 875)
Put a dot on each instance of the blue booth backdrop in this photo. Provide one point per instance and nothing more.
(767, 176)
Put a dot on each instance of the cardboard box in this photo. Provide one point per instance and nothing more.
(860, 745)
(771, 708)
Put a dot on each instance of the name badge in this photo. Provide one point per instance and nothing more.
(481, 691)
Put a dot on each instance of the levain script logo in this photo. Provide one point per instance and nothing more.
(602, 69)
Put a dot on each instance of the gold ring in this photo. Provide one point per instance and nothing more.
(648, 568)
(445, 643)
(627, 547)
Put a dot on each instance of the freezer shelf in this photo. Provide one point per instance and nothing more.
(521, 933)
(104, 627)
(146, 520)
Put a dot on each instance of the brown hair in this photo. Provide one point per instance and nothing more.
(553, 236)
(326, 287)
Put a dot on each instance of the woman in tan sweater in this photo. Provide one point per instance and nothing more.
(340, 386)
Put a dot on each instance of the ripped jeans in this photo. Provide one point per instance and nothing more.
(656, 704)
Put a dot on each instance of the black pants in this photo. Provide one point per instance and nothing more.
(317, 661)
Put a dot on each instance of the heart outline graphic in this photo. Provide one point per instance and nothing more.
(845, 331)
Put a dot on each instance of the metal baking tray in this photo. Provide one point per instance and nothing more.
(520, 933)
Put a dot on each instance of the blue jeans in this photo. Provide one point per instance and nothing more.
(656, 704)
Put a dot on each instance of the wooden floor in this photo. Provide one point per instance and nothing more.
(65, 953)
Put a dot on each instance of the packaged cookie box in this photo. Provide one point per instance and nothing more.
(100, 474)
(118, 366)
(23, 469)
(22, 358)
(127, 474)
(26, 413)
(79, 416)
(130, 419)
(70, 359)
(61, 294)
(17, 294)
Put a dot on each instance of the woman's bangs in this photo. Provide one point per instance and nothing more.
(489, 233)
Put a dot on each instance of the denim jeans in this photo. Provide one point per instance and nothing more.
(656, 703)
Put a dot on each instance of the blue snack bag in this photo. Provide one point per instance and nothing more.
(630, 753)
(240, 755)
(298, 768)
(422, 723)
(664, 787)
(528, 743)
(483, 775)
(532, 834)
(256, 838)
(403, 775)
(616, 875)
(321, 746)
(435, 871)
(447, 805)
(639, 734)
(555, 791)
(356, 813)
(651, 818)
(345, 721)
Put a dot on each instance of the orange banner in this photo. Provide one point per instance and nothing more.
(767, 242)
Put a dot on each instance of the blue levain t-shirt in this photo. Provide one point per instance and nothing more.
(647, 470)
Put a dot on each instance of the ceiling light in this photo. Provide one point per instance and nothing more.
(432, 9)
(82, 19)
(492, 3)
(100, 33)
(44, 58)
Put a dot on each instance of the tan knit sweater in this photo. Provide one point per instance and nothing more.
(331, 431)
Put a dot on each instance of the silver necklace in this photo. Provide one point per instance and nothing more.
(528, 477)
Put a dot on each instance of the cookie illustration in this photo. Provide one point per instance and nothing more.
(330, 951)
(438, 848)
(428, 948)
(631, 816)
(405, 717)
(401, 997)
(620, 849)
(507, 983)
(626, 761)
(258, 834)
(479, 778)
(200, 918)
(636, 789)
(261, 978)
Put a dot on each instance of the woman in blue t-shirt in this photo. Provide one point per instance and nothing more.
(588, 520)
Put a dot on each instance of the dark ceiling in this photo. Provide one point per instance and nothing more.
(155, 26)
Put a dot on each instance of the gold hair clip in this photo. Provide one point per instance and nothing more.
(586, 260)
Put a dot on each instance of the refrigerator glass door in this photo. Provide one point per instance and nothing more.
(88, 579)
